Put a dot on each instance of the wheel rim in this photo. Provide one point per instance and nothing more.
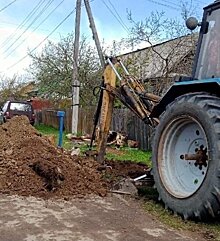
(181, 177)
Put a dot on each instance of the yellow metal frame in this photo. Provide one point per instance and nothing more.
(106, 112)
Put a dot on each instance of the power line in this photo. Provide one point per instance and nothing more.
(201, 2)
(118, 14)
(193, 2)
(14, 24)
(181, 2)
(7, 5)
(33, 21)
(35, 9)
(42, 40)
(45, 37)
(35, 28)
(120, 22)
(11, 36)
(170, 2)
(165, 5)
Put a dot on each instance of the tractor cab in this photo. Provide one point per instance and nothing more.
(207, 61)
(206, 69)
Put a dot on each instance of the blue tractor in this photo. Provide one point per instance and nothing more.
(186, 144)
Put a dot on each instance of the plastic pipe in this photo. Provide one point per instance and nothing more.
(60, 115)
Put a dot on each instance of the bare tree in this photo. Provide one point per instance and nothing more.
(159, 61)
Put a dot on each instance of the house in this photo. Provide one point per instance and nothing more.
(157, 65)
(28, 90)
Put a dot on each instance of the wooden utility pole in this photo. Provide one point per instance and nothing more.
(107, 99)
(94, 32)
(75, 76)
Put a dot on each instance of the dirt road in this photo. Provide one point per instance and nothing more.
(100, 219)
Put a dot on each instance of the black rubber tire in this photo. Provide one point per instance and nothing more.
(205, 202)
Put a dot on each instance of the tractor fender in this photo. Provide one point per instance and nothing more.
(211, 86)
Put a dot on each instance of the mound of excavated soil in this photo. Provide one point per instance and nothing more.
(30, 165)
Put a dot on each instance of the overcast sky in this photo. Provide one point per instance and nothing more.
(24, 24)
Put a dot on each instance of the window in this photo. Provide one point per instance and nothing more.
(20, 106)
(208, 65)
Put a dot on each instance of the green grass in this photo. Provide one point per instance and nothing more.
(210, 231)
(131, 154)
(207, 230)
(45, 130)
(125, 154)
(49, 130)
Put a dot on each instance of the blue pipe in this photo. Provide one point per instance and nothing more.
(60, 115)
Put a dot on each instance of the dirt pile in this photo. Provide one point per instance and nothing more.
(30, 165)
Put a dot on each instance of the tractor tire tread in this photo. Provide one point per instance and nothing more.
(211, 203)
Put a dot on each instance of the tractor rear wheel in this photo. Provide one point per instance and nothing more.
(186, 156)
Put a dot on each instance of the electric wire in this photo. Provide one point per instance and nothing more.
(179, 4)
(164, 5)
(178, 7)
(17, 46)
(121, 23)
(24, 57)
(33, 21)
(27, 28)
(7, 5)
(7, 41)
(115, 15)
(200, 2)
(118, 14)
(14, 24)
(11, 36)
(170, 2)
(194, 2)
(42, 40)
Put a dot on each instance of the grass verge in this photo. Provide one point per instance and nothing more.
(49, 130)
(125, 154)
(130, 154)
(209, 230)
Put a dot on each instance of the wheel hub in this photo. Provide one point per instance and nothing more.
(183, 156)
(200, 157)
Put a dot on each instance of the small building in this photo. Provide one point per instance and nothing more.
(159, 64)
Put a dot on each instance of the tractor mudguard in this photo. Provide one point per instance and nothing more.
(211, 86)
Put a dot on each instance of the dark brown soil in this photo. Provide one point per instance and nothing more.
(126, 168)
(116, 171)
(30, 165)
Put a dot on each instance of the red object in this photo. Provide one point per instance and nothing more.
(39, 104)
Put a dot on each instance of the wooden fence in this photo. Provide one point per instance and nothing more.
(123, 121)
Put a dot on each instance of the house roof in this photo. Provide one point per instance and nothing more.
(159, 60)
